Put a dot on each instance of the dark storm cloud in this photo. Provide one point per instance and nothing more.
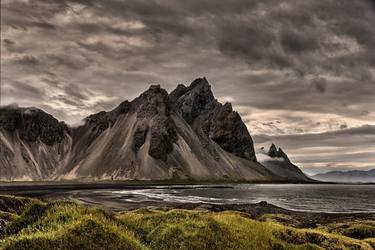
(364, 133)
(320, 84)
(8, 42)
(74, 91)
(27, 60)
(15, 88)
(27, 88)
(296, 41)
(70, 101)
(70, 62)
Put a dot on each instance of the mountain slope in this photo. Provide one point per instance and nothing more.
(347, 176)
(186, 134)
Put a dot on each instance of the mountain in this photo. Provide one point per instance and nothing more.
(186, 134)
(276, 161)
(347, 176)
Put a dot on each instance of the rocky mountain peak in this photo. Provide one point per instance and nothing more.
(273, 152)
(283, 155)
(276, 160)
(154, 90)
(227, 107)
(32, 124)
(177, 93)
(123, 108)
(153, 101)
(193, 100)
(199, 82)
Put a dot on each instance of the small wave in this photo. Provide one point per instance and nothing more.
(162, 195)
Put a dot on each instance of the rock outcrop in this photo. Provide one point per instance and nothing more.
(154, 111)
(186, 134)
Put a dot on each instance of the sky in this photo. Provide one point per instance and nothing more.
(300, 73)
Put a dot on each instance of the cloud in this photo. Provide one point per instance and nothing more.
(14, 88)
(8, 42)
(27, 60)
(320, 84)
(298, 41)
(76, 92)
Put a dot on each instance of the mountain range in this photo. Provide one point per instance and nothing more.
(183, 135)
(347, 176)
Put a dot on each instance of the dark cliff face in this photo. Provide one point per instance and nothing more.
(220, 123)
(32, 124)
(153, 111)
(195, 100)
(177, 93)
(225, 127)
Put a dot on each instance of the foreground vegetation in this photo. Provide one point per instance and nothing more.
(33, 224)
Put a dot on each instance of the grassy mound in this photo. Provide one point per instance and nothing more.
(64, 225)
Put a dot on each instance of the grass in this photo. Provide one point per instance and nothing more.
(33, 224)
(360, 229)
(15, 205)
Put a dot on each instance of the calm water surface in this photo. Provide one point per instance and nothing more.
(302, 197)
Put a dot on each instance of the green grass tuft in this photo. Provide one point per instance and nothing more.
(14, 204)
(30, 216)
(359, 231)
(355, 229)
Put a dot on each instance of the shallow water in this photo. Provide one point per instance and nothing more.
(300, 197)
